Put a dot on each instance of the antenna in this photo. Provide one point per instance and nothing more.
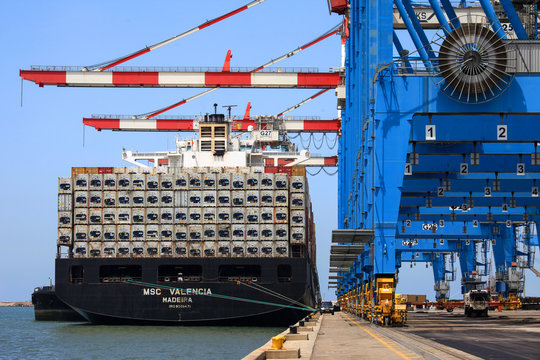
(229, 107)
(215, 109)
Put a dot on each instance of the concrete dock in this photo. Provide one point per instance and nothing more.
(427, 335)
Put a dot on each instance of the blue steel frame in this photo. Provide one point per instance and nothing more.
(384, 133)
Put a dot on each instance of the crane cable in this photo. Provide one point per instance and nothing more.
(315, 141)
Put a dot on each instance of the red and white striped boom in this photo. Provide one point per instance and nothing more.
(183, 79)
(187, 124)
(121, 60)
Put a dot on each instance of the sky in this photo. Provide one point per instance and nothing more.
(42, 139)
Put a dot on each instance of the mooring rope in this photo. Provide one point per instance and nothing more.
(272, 292)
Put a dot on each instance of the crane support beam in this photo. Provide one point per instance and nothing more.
(308, 80)
(186, 124)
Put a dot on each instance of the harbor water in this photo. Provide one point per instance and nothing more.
(23, 338)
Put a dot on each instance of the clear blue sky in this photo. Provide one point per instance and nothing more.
(43, 139)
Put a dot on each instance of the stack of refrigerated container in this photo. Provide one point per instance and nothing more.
(184, 213)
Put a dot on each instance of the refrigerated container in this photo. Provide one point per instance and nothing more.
(209, 198)
(166, 182)
(124, 215)
(252, 249)
(298, 201)
(223, 232)
(124, 182)
(238, 215)
(80, 249)
(252, 198)
(181, 215)
(80, 233)
(253, 181)
(108, 249)
(298, 235)
(195, 181)
(80, 182)
(209, 232)
(124, 232)
(223, 181)
(166, 248)
(281, 198)
(238, 182)
(65, 219)
(252, 232)
(281, 232)
(209, 215)
(167, 215)
(64, 236)
(281, 215)
(123, 249)
(123, 198)
(152, 232)
(298, 184)
(266, 198)
(152, 198)
(238, 198)
(180, 232)
(138, 198)
(267, 232)
(267, 181)
(109, 198)
(81, 199)
(195, 216)
(238, 232)
(95, 216)
(96, 198)
(95, 233)
(138, 232)
(282, 249)
(151, 249)
(152, 215)
(267, 249)
(281, 181)
(194, 198)
(209, 248)
(94, 249)
(137, 215)
(252, 215)
(224, 249)
(167, 198)
(81, 216)
(298, 218)
(109, 233)
(65, 185)
(181, 181)
(195, 232)
(109, 182)
(238, 249)
(166, 232)
(95, 182)
(267, 215)
(109, 216)
(152, 182)
(138, 182)
(209, 181)
(223, 215)
(224, 198)
(137, 249)
(180, 249)
(195, 249)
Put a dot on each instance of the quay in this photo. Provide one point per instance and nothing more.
(427, 335)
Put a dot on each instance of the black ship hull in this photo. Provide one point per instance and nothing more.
(47, 306)
(205, 291)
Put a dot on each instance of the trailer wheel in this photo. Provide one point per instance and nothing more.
(449, 309)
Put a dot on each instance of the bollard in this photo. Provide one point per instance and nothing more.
(301, 322)
(293, 329)
(277, 342)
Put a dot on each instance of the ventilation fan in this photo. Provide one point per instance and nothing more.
(474, 64)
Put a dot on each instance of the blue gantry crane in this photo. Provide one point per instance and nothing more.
(439, 152)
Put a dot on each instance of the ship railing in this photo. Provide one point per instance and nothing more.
(178, 69)
(179, 279)
(238, 278)
(119, 279)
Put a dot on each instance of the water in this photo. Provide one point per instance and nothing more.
(23, 338)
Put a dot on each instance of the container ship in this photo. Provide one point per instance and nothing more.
(218, 232)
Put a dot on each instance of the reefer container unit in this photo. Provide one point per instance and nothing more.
(109, 198)
(109, 216)
(253, 181)
(267, 181)
(223, 214)
(181, 215)
(166, 182)
(152, 198)
(95, 182)
(152, 182)
(96, 199)
(281, 182)
(81, 182)
(65, 185)
(65, 219)
(252, 249)
(64, 236)
(209, 181)
(238, 215)
(138, 182)
(124, 215)
(252, 216)
(95, 216)
(252, 198)
(223, 181)
(238, 197)
(80, 249)
(152, 232)
(80, 233)
(138, 198)
(81, 199)
(195, 215)
(180, 249)
(195, 181)
(109, 233)
(224, 249)
(209, 198)
(108, 249)
(81, 216)
(208, 215)
(152, 248)
(267, 249)
(298, 184)
(180, 233)
(109, 182)
(181, 181)
(124, 182)
(238, 182)
(167, 198)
